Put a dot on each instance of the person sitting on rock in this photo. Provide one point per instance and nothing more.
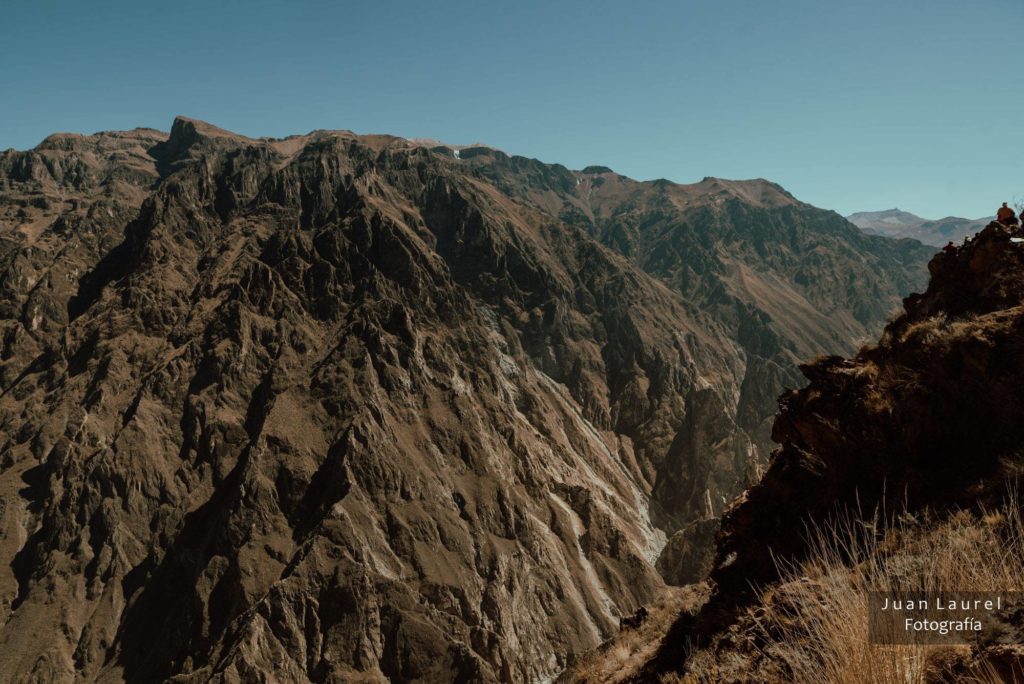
(1013, 225)
(1006, 215)
(950, 248)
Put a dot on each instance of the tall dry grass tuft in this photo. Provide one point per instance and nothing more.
(815, 622)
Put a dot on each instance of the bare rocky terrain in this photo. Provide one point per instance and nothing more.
(354, 408)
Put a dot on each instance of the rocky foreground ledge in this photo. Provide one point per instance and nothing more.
(932, 417)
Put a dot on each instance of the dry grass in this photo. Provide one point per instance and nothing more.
(815, 622)
(812, 626)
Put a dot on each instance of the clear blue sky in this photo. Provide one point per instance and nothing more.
(849, 105)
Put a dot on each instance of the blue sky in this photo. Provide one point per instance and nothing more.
(849, 105)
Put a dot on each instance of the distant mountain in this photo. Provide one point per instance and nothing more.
(895, 223)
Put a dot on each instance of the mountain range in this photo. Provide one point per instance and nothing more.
(901, 224)
(346, 407)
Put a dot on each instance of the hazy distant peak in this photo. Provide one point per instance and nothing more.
(896, 223)
(888, 217)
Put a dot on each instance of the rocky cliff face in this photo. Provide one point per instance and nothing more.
(345, 407)
(783, 280)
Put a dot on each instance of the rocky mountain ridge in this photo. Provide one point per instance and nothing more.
(349, 407)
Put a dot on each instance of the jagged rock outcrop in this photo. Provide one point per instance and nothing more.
(341, 407)
(689, 553)
(930, 417)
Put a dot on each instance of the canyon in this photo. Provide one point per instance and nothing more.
(351, 407)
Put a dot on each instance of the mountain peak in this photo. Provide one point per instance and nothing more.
(188, 134)
(757, 191)
(186, 131)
